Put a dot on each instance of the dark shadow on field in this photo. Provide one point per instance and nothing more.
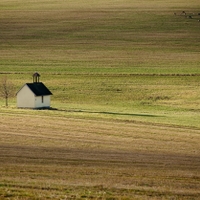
(107, 113)
(17, 154)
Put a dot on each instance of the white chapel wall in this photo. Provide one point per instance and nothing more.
(25, 98)
(42, 103)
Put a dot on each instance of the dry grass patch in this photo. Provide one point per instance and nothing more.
(67, 156)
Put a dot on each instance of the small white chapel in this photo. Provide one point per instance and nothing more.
(34, 95)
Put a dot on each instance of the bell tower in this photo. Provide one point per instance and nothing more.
(36, 78)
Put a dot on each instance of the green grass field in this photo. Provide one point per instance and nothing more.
(125, 80)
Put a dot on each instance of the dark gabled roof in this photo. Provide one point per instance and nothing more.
(39, 89)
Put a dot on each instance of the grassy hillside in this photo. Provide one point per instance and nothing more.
(112, 37)
(118, 57)
(125, 78)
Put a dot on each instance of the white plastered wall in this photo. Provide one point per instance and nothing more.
(45, 103)
(25, 98)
